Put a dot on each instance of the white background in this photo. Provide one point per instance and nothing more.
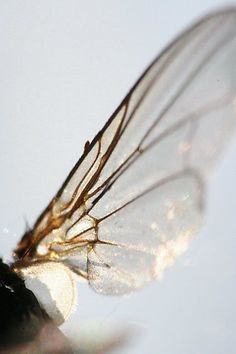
(64, 67)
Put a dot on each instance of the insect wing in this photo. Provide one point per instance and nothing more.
(136, 196)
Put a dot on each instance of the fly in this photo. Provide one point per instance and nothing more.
(135, 198)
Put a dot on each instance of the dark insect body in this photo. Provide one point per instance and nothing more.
(24, 325)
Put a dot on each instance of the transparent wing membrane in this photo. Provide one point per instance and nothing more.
(135, 198)
(138, 232)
